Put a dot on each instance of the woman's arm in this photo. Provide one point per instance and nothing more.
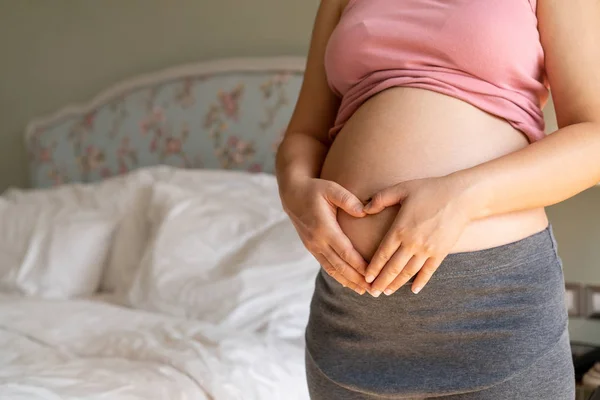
(305, 144)
(566, 162)
(310, 202)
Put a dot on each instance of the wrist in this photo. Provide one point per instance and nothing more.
(472, 192)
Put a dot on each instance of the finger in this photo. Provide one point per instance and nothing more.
(387, 248)
(393, 269)
(413, 267)
(425, 274)
(386, 198)
(344, 199)
(341, 279)
(344, 269)
(346, 251)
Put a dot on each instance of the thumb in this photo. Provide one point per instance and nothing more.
(344, 199)
(386, 198)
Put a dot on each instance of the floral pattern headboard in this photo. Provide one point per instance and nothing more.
(227, 114)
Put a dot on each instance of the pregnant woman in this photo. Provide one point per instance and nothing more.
(416, 170)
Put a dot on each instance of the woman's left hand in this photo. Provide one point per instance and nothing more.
(433, 214)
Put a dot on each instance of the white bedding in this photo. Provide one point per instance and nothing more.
(214, 307)
(92, 349)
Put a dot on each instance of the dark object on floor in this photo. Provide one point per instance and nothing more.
(584, 358)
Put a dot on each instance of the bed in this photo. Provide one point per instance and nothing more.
(151, 258)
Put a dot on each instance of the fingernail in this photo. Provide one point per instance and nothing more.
(417, 290)
(376, 293)
(360, 291)
(370, 278)
(388, 292)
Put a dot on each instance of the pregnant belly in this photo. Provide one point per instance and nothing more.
(406, 133)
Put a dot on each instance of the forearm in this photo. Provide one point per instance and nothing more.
(299, 156)
(546, 172)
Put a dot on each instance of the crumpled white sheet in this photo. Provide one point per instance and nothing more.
(92, 349)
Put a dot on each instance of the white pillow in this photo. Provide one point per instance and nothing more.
(53, 250)
(133, 231)
(224, 254)
(129, 241)
(126, 197)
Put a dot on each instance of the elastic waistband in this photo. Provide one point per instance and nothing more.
(529, 249)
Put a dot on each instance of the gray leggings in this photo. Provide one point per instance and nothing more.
(490, 324)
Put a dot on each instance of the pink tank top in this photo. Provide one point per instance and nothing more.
(487, 53)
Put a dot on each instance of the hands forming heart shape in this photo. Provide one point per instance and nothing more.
(432, 215)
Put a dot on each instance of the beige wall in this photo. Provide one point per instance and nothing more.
(54, 52)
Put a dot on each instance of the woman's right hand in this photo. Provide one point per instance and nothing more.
(312, 205)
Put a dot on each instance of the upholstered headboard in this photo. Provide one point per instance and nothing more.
(220, 114)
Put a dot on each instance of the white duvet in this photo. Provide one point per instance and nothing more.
(92, 349)
(211, 293)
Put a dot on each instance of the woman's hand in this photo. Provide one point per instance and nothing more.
(433, 214)
(312, 206)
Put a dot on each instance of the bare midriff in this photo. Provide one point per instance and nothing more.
(407, 133)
